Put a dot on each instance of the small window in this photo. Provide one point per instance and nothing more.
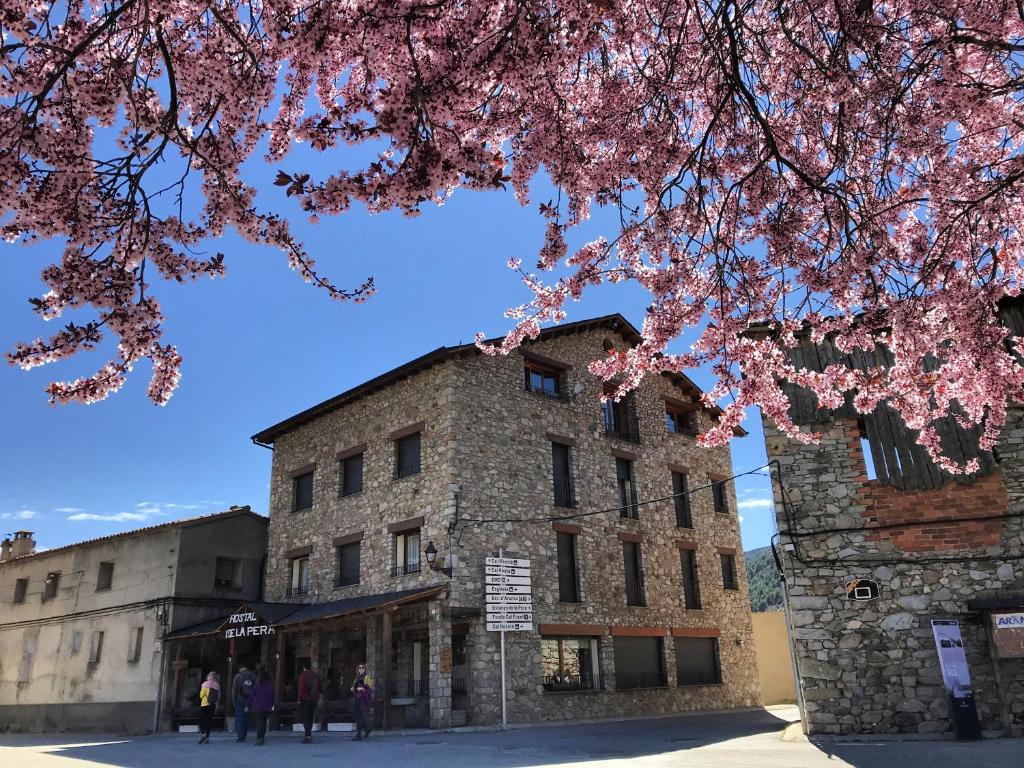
(299, 576)
(348, 565)
(20, 589)
(568, 575)
(542, 380)
(681, 422)
(718, 489)
(105, 576)
(628, 506)
(352, 475)
(226, 573)
(135, 645)
(407, 552)
(96, 648)
(570, 664)
(620, 417)
(76, 643)
(639, 663)
(407, 456)
(681, 499)
(633, 566)
(729, 572)
(691, 582)
(303, 492)
(561, 461)
(51, 585)
(697, 661)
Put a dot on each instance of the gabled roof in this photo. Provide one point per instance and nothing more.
(615, 322)
(182, 523)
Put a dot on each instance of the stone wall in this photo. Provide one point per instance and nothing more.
(872, 667)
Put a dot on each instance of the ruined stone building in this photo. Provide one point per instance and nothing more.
(386, 499)
(81, 626)
(865, 514)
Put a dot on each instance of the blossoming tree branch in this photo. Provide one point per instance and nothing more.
(846, 168)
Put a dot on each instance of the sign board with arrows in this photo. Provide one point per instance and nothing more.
(507, 593)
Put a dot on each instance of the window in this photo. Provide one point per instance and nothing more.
(226, 573)
(96, 648)
(568, 576)
(407, 552)
(51, 585)
(680, 421)
(20, 588)
(105, 577)
(729, 571)
(348, 565)
(681, 498)
(718, 489)
(299, 580)
(29, 646)
(407, 456)
(639, 663)
(634, 573)
(627, 489)
(135, 645)
(620, 417)
(352, 475)
(697, 661)
(542, 380)
(76, 643)
(570, 664)
(562, 473)
(691, 583)
(303, 492)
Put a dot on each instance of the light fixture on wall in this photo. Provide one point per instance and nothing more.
(431, 554)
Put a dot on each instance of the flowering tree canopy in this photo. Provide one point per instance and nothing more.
(845, 167)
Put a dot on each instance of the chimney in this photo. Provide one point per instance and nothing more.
(5, 550)
(23, 544)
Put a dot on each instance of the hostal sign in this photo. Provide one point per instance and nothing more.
(246, 624)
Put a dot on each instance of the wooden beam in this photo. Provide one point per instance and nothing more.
(385, 673)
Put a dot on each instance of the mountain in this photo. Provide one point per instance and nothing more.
(763, 580)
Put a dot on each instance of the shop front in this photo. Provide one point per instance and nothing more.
(405, 638)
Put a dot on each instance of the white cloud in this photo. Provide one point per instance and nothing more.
(21, 514)
(741, 518)
(120, 517)
(68, 510)
(755, 504)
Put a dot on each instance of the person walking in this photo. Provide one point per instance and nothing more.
(261, 704)
(241, 690)
(309, 693)
(209, 695)
(362, 703)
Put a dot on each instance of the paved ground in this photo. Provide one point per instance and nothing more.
(740, 740)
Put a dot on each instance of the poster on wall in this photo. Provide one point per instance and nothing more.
(952, 659)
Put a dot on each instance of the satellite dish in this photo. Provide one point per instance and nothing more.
(577, 389)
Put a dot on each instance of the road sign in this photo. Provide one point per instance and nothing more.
(523, 580)
(505, 570)
(511, 562)
(501, 616)
(510, 626)
(507, 589)
(509, 599)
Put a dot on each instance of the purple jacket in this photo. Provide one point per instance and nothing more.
(262, 697)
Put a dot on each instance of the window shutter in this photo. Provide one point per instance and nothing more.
(567, 586)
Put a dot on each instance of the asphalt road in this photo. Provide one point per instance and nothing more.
(743, 740)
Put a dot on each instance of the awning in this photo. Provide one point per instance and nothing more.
(292, 614)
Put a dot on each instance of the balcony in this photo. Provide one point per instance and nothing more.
(564, 496)
(620, 421)
(302, 589)
(569, 683)
(635, 590)
(404, 570)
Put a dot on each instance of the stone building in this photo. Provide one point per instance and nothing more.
(866, 505)
(639, 593)
(81, 625)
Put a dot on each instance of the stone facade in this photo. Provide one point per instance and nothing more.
(75, 660)
(872, 667)
(486, 484)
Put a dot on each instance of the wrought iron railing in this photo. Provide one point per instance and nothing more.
(635, 590)
(624, 426)
(302, 589)
(402, 570)
(564, 496)
(560, 683)
(407, 688)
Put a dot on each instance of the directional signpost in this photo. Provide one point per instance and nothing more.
(509, 603)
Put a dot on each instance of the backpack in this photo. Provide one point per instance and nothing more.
(247, 684)
(212, 697)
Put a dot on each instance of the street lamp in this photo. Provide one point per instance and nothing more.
(431, 554)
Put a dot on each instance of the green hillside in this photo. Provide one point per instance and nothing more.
(763, 580)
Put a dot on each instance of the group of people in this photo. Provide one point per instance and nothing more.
(253, 697)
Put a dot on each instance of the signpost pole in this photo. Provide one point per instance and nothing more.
(504, 717)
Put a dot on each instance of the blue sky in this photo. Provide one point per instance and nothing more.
(261, 345)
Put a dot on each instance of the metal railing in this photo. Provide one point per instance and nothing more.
(564, 496)
(342, 582)
(622, 427)
(625, 681)
(302, 589)
(628, 503)
(407, 688)
(635, 590)
(402, 570)
(560, 683)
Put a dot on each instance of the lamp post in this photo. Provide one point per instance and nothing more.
(431, 554)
